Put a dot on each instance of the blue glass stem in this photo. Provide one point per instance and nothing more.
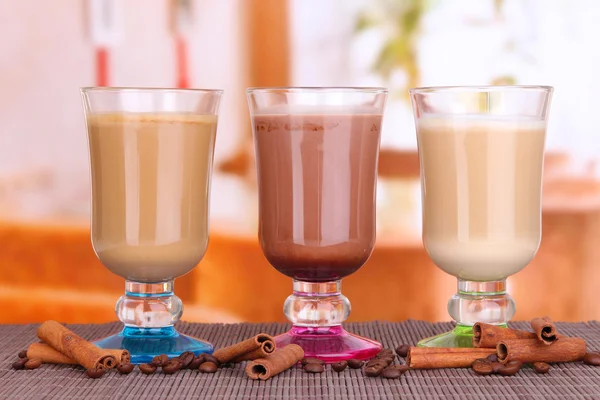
(149, 312)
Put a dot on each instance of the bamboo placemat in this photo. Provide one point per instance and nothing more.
(565, 381)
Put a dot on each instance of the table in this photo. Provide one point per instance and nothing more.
(565, 381)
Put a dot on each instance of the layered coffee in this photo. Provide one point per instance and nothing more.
(317, 176)
(481, 180)
(150, 192)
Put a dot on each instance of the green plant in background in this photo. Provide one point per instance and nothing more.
(401, 19)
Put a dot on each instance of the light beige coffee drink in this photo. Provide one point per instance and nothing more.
(481, 193)
(150, 192)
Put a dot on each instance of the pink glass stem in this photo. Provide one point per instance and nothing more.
(329, 344)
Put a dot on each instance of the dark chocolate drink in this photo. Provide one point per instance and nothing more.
(317, 176)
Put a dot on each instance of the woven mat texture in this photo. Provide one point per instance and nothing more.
(565, 381)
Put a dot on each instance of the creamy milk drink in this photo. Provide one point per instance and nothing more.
(317, 173)
(481, 182)
(150, 184)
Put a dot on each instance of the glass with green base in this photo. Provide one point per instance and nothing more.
(474, 302)
(481, 153)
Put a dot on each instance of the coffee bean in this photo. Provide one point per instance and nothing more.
(17, 366)
(312, 360)
(23, 354)
(354, 363)
(147, 368)
(385, 353)
(172, 366)
(482, 366)
(401, 368)
(212, 359)
(373, 371)
(377, 363)
(339, 366)
(541, 367)
(493, 357)
(33, 363)
(515, 363)
(592, 359)
(125, 368)
(195, 363)
(208, 367)
(186, 359)
(510, 368)
(402, 350)
(160, 360)
(202, 358)
(391, 373)
(314, 368)
(20, 364)
(95, 373)
(496, 366)
(386, 359)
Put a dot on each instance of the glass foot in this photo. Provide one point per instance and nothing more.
(460, 336)
(329, 344)
(146, 343)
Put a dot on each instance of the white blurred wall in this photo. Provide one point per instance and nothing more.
(546, 42)
(46, 55)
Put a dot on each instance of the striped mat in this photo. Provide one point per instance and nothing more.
(565, 381)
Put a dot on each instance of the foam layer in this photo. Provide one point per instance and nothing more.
(479, 121)
(180, 118)
(309, 109)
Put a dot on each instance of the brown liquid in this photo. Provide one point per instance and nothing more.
(482, 184)
(317, 177)
(150, 192)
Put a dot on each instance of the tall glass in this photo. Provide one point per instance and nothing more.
(316, 156)
(481, 151)
(151, 153)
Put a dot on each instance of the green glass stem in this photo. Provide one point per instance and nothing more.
(474, 302)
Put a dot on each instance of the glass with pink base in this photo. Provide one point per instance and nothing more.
(316, 158)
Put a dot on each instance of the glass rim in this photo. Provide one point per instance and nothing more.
(122, 89)
(317, 89)
(480, 89)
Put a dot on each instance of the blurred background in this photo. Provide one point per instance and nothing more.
(48, 49)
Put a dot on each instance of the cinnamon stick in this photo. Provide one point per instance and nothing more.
(488, 336)
(50, 356)
(74, 347)
(258, 346)
(444, 357)
(544, 329)
(532, 350)
(274, 363)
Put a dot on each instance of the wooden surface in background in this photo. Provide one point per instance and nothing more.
(51, 272)
(268, 41)
(59, 256)
(268, 57)
(401, 282)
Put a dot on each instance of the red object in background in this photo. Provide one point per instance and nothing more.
(102, 57)
(182, 81)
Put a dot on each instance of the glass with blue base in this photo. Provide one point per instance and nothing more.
(481, 153)
(150, 333)
(151, 153)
